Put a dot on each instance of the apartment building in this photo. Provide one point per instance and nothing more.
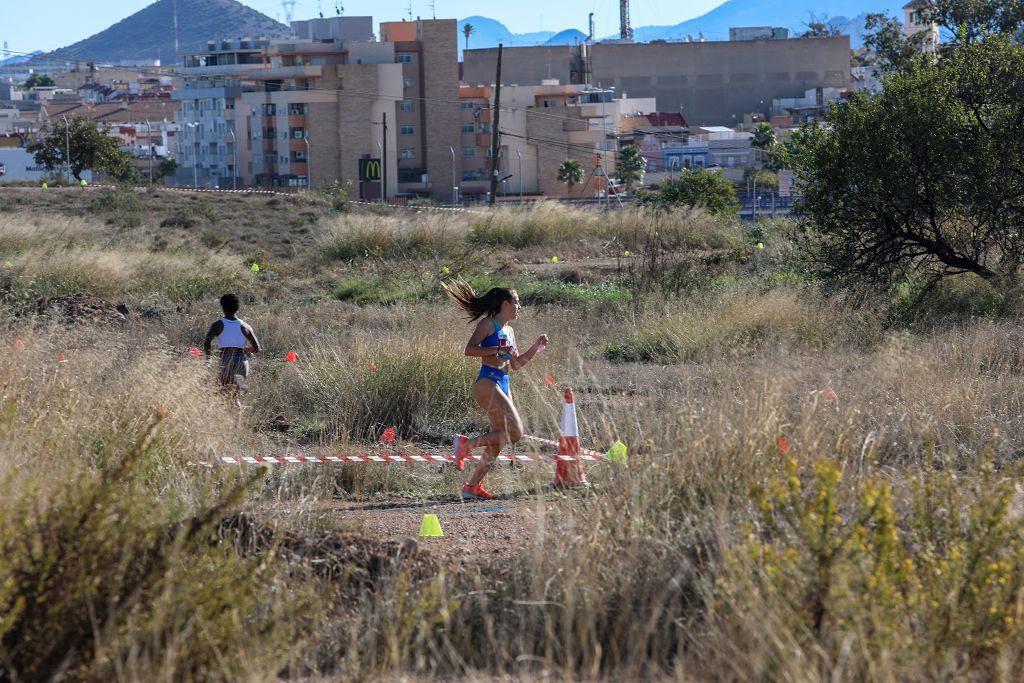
(541, 126)
(308, 109)
(427, 51)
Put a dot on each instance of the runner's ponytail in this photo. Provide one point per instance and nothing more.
(488, 305)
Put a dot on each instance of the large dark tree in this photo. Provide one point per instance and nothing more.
(968, 21)
(927, 177)
(91, 148)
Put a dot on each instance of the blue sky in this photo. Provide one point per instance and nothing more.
(27, 26)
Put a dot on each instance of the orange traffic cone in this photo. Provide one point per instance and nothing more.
(569, 472)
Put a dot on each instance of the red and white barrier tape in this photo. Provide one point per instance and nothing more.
(593, 455)
(395, 457)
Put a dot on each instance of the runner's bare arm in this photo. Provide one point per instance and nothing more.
(215, 329)
(473, 347)
(251, 336)
(519, 361)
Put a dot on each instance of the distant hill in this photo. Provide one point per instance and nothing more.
(568, 37)
(848, 15)
(149, 33)
(18, 59)
(489, 33)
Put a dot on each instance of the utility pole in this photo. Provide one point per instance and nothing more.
(495, 141)
(149, 138)
(384, 161)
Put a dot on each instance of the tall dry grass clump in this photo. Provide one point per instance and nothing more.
(111, 567)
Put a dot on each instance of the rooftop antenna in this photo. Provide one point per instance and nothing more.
(319, 9)
(288, 6)
(433, 9)
(409, 10)
(338, 8)
(625, 30)
(590, 22)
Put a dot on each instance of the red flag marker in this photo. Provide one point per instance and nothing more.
(19, 345)
(550, 380)
(830, 394)
(373, 368)
(194, 351)
(291, 357)
(160, 413)
(783, 445)
(388, 436)
(60, 357)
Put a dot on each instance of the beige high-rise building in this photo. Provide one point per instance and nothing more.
(307, 110)
(428, 136)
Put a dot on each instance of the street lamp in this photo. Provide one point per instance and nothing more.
(309, 161)
(195, 157)
(520, 155)
(234, 154)
(67, 149)
(455, 189)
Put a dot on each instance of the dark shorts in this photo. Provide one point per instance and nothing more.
(234, 369)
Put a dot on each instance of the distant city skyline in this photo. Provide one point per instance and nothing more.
(28, 27)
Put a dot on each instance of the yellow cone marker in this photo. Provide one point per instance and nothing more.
(617, 453)
(554, 259)
(431, 526)
(255, 267)
(760, 245)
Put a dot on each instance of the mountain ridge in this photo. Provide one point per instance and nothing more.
(149, 33)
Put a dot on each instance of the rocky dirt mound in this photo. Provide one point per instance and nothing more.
(75, 309)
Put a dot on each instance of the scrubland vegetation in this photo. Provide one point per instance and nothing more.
(819, 487)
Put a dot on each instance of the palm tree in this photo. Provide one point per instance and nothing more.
(570, 173)
(468, 30)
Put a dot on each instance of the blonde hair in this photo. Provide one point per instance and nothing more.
(475, 307)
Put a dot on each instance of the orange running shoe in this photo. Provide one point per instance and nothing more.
(477, 492)
(461, 452)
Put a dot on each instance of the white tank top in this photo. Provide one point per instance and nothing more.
(231, 337)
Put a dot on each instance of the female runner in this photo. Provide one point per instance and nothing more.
(494, 342)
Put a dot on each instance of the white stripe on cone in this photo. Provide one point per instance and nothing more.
(569, 472)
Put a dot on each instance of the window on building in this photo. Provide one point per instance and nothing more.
(407, 81)
(466, 105)
(269, 110)
(403, 58)
(296, 109)
(269, 158)
(469, 151)
(548, 104)
(405, 105)
(299, 155)
(468, 128)
(408, 153)
(270, 133)
(406, 130)
(298, 133)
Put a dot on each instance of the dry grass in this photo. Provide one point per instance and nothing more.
(886, 542)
